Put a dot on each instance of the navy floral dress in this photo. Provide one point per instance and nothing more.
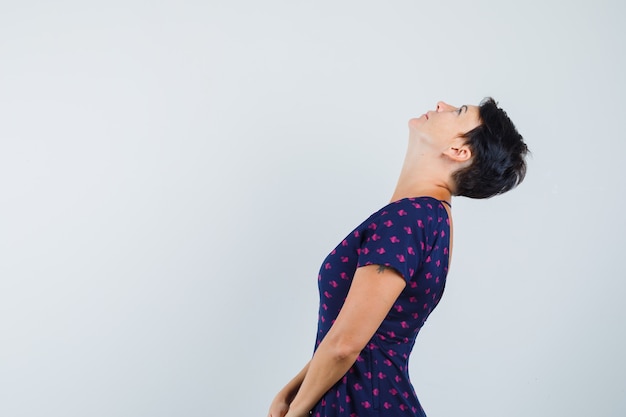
(412, 236)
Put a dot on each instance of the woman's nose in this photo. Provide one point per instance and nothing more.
(442, 106)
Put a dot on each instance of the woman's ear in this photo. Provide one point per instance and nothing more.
(459, 152)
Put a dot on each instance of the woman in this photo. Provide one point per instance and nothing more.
(378, 286)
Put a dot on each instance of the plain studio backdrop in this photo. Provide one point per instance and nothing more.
(172, 174)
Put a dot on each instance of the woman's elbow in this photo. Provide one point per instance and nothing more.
(345, 350)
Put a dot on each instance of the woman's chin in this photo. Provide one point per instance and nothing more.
(417, 121)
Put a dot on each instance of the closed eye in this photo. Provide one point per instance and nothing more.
(461, 109)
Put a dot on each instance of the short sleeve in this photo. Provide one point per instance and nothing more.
(392, 239)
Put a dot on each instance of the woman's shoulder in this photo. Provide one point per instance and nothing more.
(406, 211)
(415, 205)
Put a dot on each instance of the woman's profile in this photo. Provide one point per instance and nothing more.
(380, 283)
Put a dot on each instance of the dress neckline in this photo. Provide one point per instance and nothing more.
(447, 203)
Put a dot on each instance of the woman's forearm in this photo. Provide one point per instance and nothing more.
(324, 370)
(291, 389)
(280, 404)
(368, 302)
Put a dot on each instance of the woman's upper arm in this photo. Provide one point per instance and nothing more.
(373, 292)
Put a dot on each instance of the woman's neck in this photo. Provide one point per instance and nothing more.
(422, 177)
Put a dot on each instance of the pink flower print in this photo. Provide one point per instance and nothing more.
(398, 379)
(430, 206)
(402, 212)
(381, 375)
(411, 271)
(387, 362)
(422, 245)
(324, 306)
(323, 402)
(413, 300)
(356, 233)
(398, 308)
(443, 233)
(410, 250)
(438, 263)
(415, 316)
(393, 391)
(347, 398)
(365, 251)
(404, 325)
(345, 259)
(427, 291)
(368, 375)
(344, 242)
(366, 404)
(388, 223)
(391, 353)
(405, 394)
(333, 252)
(375, 237)
(328, 266)
(391, 334)
(375, 392)
(372, 226)
(437, 280)
(400, 258)
(427, 259)
(387, 405)
(445, 251)
(416, 205)
(380, 251)
(408, 230)
(420, 224)
(327, 294)
(428, 275)
(359, 358)
(403, 407)
(333, 284)
(357, 387)
(343, 275)
(394, 239)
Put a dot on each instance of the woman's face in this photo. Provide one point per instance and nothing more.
(445, 124)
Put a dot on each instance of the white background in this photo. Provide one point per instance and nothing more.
(172, 174)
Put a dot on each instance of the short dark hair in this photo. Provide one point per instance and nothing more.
(498, 152)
